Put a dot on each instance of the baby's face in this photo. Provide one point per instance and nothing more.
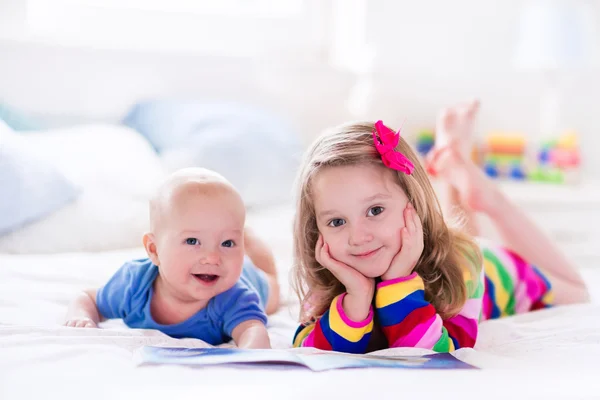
(359, 212)
(200, 244)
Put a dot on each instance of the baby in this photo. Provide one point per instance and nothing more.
(196, 281)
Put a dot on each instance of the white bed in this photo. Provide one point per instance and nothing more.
(547, 354)
(551, 353)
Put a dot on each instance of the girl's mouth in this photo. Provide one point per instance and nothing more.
(367, 253)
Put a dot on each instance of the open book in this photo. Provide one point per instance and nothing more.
(315, 360)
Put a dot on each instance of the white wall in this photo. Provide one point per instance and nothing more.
(430, 53)
(437, 52)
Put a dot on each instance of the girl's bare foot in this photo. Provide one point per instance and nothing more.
(454, 127)
(475, 189)
(452, 150)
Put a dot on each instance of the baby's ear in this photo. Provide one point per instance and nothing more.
(150, 246)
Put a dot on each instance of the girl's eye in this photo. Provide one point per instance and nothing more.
(373, 211)
(192, 241)
(228, 243)
(336, 222)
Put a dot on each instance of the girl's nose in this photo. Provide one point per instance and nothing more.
(359, 235)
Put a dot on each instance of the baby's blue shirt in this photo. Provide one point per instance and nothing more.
(128, 294)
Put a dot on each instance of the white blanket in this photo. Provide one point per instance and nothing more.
(543, 354)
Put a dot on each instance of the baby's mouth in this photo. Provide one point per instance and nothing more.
(206, 278)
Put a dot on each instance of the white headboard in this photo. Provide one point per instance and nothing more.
(87, 84)
(61, 83)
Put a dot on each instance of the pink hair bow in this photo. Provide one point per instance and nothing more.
(386, 141)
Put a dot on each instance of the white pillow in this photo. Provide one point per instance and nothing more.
(110, 156)
(117, 171)
(32, 188)
(255, 149)
(98, 220)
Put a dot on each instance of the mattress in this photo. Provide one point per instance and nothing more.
(550, 353)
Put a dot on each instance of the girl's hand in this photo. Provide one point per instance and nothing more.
(359, 288)
(404, 262)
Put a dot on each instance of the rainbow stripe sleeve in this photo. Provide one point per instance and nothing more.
(335, 331)
(408, 320)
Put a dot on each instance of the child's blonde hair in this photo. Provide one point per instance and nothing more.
(448, 252)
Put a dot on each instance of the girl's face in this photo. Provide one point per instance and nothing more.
(359, 211)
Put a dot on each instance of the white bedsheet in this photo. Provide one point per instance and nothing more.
(551, 353)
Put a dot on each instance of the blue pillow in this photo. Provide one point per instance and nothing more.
(256, 150)
(17, 120)
(31, 188)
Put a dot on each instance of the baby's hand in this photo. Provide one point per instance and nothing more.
(251, 334)
(360, 289)
(81, 322)
(412, 246)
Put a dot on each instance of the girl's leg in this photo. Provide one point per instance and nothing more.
(519, 232)
(454, 127)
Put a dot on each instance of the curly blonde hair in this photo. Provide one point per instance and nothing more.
(448, 253)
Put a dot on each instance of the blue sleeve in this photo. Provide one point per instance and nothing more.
(115, 298)
(240, 304)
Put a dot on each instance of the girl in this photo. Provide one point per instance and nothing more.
(376, 264)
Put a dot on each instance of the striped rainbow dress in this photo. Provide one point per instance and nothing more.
(508, 285)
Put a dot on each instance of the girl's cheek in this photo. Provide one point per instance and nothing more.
(335, 248)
